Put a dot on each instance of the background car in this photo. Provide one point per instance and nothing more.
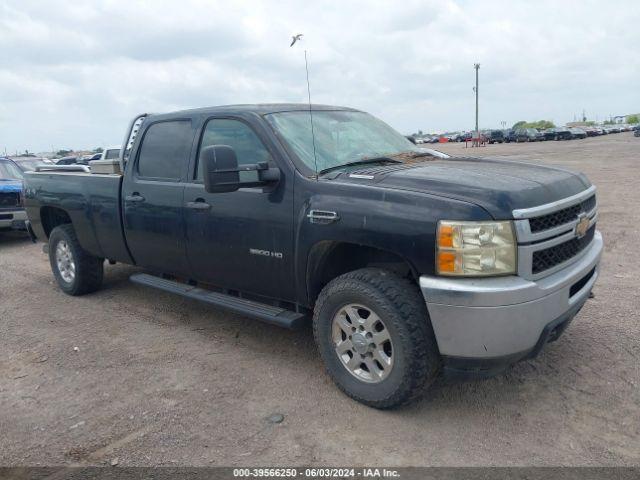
(67, 161)
(466, 136)
(496, 136)
(28, 164)
(509, 135)
(549, 134)
(12, 213)
(577, 133)
(528, 135)
(87, 158)
(563, 133)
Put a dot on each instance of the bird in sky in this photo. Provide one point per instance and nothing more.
(295, 38)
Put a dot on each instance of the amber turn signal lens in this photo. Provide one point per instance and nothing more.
(445, 236)
(446, 262)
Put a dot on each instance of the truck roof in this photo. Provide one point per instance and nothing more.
(258, 108)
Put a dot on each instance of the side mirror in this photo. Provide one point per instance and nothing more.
(220, 169)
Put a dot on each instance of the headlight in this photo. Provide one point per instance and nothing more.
(475, 249)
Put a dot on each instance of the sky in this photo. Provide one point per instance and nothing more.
(73, 73)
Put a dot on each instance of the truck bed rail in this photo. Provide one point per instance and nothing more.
(63, 168)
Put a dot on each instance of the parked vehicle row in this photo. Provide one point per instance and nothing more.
(109, 153)
(527, 134)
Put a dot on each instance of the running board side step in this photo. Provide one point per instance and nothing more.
(267, 313)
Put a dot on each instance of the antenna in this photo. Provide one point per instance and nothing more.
(295, 39)
(475, 89)
(313, 136)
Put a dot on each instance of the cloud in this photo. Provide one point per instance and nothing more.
(73, 73)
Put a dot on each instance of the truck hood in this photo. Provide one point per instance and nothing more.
(9, 186)
(498, 186)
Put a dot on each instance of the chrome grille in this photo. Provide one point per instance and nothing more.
(545, 222)
(552, 256)
(9, 199)
(547, 238)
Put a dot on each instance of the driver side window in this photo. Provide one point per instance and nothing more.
(239, 136)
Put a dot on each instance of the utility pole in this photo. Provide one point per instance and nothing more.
(477, 67)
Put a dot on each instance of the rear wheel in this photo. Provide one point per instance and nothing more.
(76, 271)
(375, 338)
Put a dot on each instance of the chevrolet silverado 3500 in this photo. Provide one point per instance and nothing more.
(407, 261)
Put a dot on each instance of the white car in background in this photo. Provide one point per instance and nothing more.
(111, 153)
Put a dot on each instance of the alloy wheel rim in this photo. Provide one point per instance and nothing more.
(64, 261)
(362, 343)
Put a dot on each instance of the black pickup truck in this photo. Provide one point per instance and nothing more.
(407, 261)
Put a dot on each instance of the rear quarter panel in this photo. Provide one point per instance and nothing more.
(91, 201)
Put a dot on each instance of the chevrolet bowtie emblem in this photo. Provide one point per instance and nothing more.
(582, 226)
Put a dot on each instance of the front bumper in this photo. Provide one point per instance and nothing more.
(486, 324)
(14, 219)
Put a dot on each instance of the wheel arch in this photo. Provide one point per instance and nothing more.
(329, 259)
(51, 217)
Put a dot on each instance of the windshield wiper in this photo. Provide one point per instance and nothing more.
(360, 162)
(421, 154)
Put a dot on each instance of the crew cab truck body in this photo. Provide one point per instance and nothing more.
(407, 262)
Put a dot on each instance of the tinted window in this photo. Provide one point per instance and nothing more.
(165, 149)
(239, 136)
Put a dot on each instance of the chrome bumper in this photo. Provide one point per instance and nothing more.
(505, 316)
(15, 218)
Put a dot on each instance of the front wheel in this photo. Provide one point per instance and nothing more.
(375, 337)
(76, 271)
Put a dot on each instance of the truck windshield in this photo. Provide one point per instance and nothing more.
(9, 171)
(341, 137)
(28, 165)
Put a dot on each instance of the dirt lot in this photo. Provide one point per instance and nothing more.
(158, 380)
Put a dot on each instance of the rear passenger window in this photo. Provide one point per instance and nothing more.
(165, 150)
(238, 135)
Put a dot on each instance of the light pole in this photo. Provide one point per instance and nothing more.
(477, 67)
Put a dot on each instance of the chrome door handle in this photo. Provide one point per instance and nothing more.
(322, 217)
(198, 205)
(135, 197)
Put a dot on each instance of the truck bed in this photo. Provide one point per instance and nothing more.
(92, 201)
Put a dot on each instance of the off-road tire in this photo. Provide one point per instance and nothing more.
(400, 305)
(88, 269)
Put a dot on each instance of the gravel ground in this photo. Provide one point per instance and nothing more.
(137, 377)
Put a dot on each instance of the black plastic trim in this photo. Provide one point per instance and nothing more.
(30, 231)
(260, 311)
